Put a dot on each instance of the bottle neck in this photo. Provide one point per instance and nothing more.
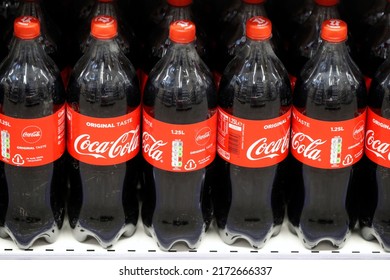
(99, 47)
(251, 10)
(182, 48)
(31, 8)
(325, 12)
(177, 13)
(105, 8)
(260, 46)
(24, 46)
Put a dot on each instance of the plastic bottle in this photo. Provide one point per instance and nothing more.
(103, 120)
(32, 114)
(375, 197)
(253, 140)
(179, 143)
(327, 142)
(376, 46)
(307, 39)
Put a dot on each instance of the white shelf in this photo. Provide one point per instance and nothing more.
(140, 246)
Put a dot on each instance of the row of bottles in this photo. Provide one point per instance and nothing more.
(242, 173)
(144, 27)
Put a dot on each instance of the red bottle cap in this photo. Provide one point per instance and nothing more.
(334, 30)
(253, 1)
(182, 31)
(258, 28)
(179, 3)
(327, 3)
(104, 27)
(27, 27)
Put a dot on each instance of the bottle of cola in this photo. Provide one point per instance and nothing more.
(178, 141)
(327, 142)
(32, 126)
(306, 40)
(103, 120)
(376, 46)
(253, 140)
(375, 197)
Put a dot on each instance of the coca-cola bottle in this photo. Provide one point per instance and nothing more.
(376, 46)
(178, 141)
(306, 40)
(375, 211)
(32, 125)
(327, 141)
(103, 120)
(253, 140)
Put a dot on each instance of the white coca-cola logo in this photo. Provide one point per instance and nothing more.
(261, 149)
(358, 131)
(125, 144)
(31, 134)
(376, 146)
(307, 146)
(151, 146)
(203, 136)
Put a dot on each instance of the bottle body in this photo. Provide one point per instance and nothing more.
(176, 202)
(322, 200)
(249, 201)
(374, 202)
(103, 202)
(32, 196)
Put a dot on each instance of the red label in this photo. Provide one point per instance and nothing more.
(377, 139)
(32, 142)
(103, 141)
(327, 145)
(253, 143)
(179, 148)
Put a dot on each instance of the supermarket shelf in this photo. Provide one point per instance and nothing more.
(140, 246)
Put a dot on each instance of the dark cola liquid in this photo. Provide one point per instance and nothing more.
(103, 199)
(31, 198)
(249, 202)
(177, 206)
(374, 199)
(322, 202)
